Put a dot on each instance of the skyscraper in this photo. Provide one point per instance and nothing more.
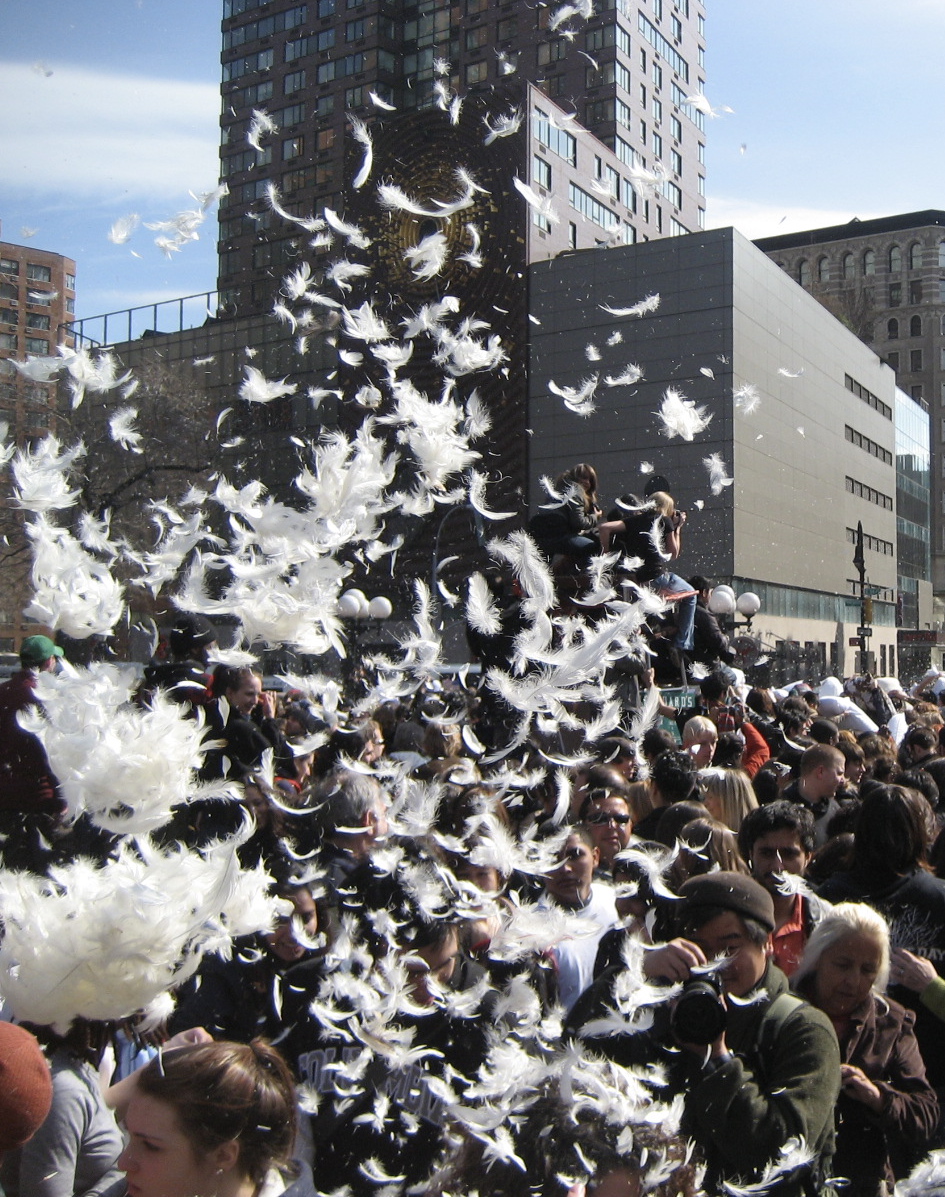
(622, 161)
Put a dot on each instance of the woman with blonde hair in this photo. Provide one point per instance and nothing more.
(887, 1111)
(699, 738)
(728, 795)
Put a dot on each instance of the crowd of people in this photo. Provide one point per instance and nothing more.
(701, 951)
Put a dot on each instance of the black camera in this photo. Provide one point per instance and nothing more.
(699, 1015)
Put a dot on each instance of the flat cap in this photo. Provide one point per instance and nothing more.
(728, 891)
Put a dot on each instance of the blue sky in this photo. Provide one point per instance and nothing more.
(111, 107)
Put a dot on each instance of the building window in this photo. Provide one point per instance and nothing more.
(915, 359)
(657, 110)
(541, 172)
(325, 139)
(291, 148)
(675, 125)
(657, 75)
(11, 266)
(552, 51)
(892, 359)
(823, 270)
(915, 256)
(9, 291)
(293, 82)
(895, 295)
(892, 329)
(39, 274)
(70, 282)
(916, 392)
(869, 262)
(915, 326)
(477, 38)
(36, 345)
(355, 30)
(675, 159)
(658, 145)
(849, 267)
(43, 298)
(8, 341)
(915, 290)
(572, 235)
(508, 28)
(325, 105)
(476, 72)
(895, 259)
(803, 272)
(35, 320)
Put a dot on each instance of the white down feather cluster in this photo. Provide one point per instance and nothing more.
(104, 943)
(124, 766)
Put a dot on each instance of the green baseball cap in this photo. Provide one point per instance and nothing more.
(37, 649)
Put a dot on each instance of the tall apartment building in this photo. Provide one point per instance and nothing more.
(619, 79)
(37, 298)
(886, 279)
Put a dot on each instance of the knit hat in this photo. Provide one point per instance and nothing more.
(729, 891)
(37, 649)
(190, 632)
(25, 1086)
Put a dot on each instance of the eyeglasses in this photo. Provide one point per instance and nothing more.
(602, 819)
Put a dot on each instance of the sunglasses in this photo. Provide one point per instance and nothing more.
(600, 820)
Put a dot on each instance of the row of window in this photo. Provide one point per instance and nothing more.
(33, 319)
(867, 263)
(265, 26)
(867, 396)
(894, 359)
(34, 272)
(915, 327)
(870, 493)
(875, 543)
(864, 442)
(37, 345)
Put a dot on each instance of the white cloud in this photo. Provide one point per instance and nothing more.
(756, 220)
(98, 136)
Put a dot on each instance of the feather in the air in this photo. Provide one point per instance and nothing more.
(718, 478)
(362, 135)
(540, 204)
(643, 308)
(256, 388)
(121, 430)
(681, 417)
(260, 126)
(123, 227)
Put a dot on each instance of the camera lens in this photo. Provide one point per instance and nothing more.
(699, 1016)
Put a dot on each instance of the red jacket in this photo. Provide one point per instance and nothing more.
(26, 781)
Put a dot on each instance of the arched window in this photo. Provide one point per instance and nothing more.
(849, 266)
(869, 262)
(803, 272)
(892, 329)
(823, 270)
(915, 256)
(895, 259)
(915, 326)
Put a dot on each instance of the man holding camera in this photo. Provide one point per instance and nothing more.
(757, 1066)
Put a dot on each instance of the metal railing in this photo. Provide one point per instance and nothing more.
(167, 316)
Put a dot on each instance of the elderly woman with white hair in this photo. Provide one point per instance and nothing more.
(887, 1111)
